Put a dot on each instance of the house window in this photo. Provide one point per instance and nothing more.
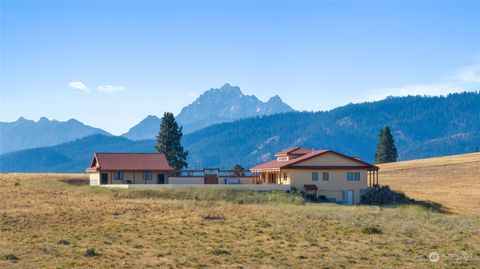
(118, 175)
(353, 176)
(314, 176)
(147, 175)
(285, 177)
(325, 176)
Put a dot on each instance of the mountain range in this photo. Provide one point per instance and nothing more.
(224, 104)
(24, 134)
(422, 127)
(227, 101)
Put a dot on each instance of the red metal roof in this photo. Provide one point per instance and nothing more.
(129, 162)
(284, 164)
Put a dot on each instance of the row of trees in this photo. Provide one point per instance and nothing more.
(170, 136)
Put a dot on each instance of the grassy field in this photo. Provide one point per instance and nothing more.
(453, 181)
(47, 223)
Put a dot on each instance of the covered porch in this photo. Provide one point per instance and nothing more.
(372, 177)
(268, 177)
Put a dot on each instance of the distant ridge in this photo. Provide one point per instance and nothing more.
(71, 157)
(24, 134)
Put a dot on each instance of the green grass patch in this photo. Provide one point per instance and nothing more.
(197, 194)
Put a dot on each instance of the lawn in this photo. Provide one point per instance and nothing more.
(47, 223)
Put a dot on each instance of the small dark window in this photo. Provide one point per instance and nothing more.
(356, 176)
(285, 177)
(349, 176)
(325, 176)
(315, 176)
(147, 175)
(118, 175)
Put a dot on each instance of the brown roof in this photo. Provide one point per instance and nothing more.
(284, 164)
(129, 162)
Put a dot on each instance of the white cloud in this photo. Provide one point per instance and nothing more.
(110, 88)
(463, 79)
(193, 95)
(469, 73)
(79, 86)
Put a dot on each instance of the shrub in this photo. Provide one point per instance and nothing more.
(91, 253)
(63, 242)
(371, 230)
(219, 251)
(10, 257)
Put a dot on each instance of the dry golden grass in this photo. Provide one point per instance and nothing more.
(453, 181)
(46, 223)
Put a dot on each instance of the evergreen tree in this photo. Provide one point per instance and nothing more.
(386, 150)
(238, 169)
(169, 142)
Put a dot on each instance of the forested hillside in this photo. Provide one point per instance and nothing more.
(422, 127)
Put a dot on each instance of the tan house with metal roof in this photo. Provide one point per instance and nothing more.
(325, 174)
(129, 168)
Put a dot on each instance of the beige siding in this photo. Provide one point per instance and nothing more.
(328, 159)
(94, 178)
(334, 186)
(136, 177)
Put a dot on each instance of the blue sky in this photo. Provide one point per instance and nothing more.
(109, 64)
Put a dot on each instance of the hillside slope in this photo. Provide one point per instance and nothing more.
(453, 181)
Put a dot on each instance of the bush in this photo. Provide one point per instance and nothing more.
(91, 253)
(384, 196)
(10, 257)
(63, 242)
(219, 251)
(371, 230)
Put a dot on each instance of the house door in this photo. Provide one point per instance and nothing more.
(349, 197)
(210, 179)
(103, 178)
(161, 179)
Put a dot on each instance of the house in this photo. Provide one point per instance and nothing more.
(325, 174)
(129, 168)
(322, 174)
(153, 168)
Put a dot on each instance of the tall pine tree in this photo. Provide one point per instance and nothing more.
(386, 150)
(169, 142)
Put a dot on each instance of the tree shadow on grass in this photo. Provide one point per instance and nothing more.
(384, 196)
